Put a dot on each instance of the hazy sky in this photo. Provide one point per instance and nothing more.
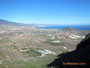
(46, 11)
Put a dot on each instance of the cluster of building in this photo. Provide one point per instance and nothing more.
(76, 37)
(45, 52)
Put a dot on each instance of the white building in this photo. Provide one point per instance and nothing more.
(65, 47)
(45, 52)
(56, 41)
(74, 36)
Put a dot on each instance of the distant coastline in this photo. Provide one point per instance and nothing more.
(79, 27)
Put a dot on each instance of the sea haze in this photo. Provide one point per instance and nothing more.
(80, 27)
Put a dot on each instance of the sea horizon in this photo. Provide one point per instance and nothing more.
(79, 27)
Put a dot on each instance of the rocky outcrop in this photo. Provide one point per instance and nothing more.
(79, 58)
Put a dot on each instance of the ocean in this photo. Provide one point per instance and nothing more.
(80, 27)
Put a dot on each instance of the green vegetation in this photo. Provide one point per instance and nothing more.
(11, 33)
(39, 63)
(20, 32)
(31, 52)
(14, 47)
(52, 43)
(1, 55)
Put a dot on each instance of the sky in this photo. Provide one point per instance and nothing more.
(62, 12)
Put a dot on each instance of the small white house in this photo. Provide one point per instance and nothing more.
(65, 47)
(23, 50)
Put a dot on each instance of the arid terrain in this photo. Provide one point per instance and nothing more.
(26, 46)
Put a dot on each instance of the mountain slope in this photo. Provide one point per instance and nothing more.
(3, 22)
